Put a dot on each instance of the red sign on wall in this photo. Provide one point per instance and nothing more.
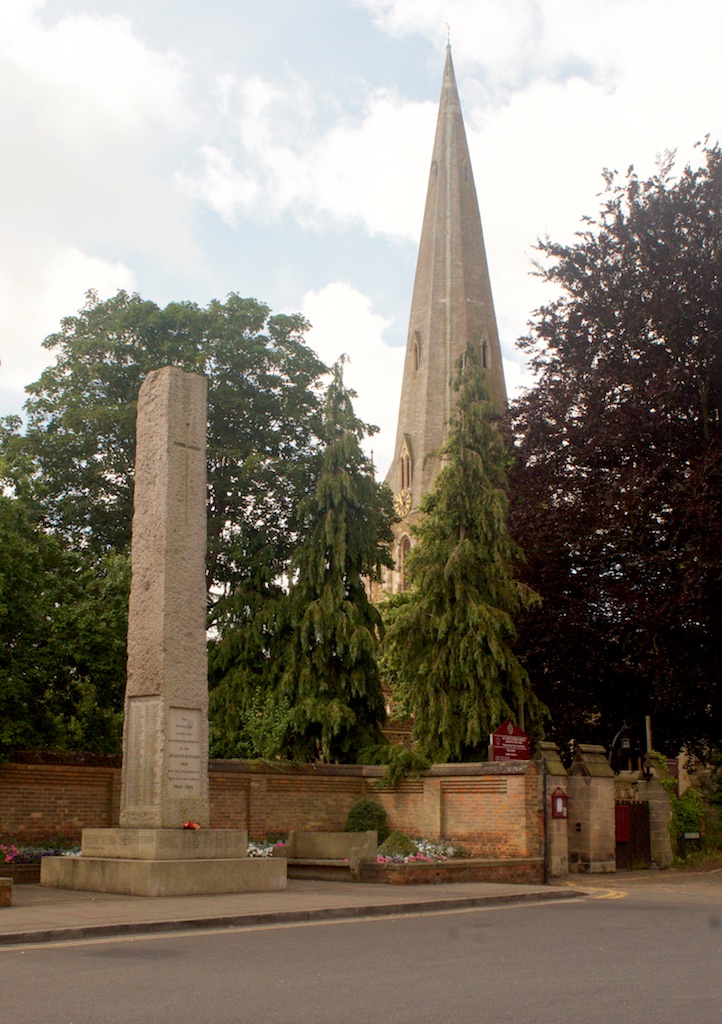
(509, 743)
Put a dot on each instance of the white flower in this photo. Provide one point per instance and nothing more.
(262, 849)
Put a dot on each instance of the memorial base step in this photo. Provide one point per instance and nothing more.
(135, 877)
(165, 843)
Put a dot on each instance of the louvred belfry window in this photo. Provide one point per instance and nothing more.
(405, 467)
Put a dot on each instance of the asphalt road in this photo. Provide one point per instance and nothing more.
(644, 957)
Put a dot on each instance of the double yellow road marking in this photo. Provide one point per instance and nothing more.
(599, 893)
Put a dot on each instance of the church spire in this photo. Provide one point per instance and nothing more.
(451, 307)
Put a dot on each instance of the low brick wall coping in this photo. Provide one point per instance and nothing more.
(370, 771)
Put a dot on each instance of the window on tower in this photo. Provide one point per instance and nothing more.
(404, 471)
(405, 465)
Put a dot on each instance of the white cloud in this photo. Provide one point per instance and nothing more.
(344, 323)
(60, 277)
(552, 93)
(115, 149)
(552, 90)
(538, 163)
(501, 35)
(515, 41)
(89, 67)
(276, 159)
(376, 171)
(221, 185)
(91, 117)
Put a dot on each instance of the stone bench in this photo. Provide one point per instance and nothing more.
(6, 892)
(329, 856)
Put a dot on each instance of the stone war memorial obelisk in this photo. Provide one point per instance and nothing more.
(165, 734)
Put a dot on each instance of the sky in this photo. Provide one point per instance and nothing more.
(186, 149)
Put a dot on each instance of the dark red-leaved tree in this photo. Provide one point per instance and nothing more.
(617, 491)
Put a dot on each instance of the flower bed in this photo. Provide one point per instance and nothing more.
(427, 852)
(22, 863)
(426, 862)
(266, 848)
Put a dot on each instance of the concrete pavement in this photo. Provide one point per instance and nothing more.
(41, 914)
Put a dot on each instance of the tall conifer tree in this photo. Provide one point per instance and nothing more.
(332, 677)
(452, 636)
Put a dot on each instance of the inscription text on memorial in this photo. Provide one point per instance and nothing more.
(184, 751)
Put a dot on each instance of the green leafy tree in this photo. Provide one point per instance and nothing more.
(26, 599)
(255, 727)
(63, 618)
(618, 485)
(86, 653)
(392, 659)
(245, 666)
(331, 675)
(451, 641)
(68, 507)
(263, 409)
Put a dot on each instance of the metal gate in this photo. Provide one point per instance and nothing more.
(633, 849)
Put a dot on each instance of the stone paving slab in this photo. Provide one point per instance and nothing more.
(41, 914)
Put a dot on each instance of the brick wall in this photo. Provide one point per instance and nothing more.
(41, 799)
(490, 809)
(407, 806)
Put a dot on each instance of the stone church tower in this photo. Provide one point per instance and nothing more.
(451, 306)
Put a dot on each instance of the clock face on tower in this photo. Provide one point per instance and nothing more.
(402, 502)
